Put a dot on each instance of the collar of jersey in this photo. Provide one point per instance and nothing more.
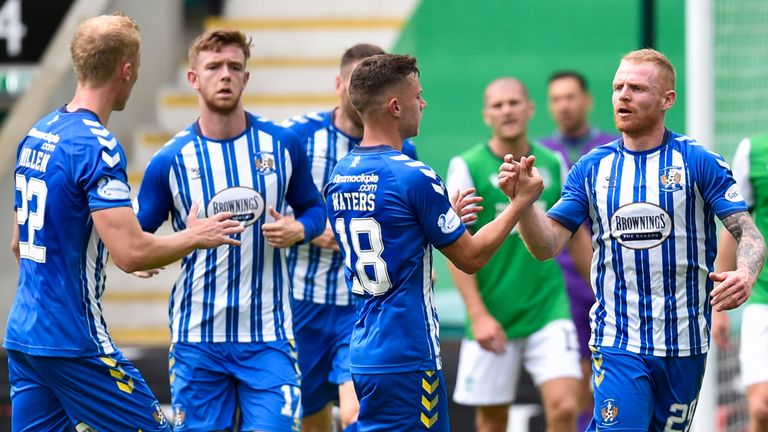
(664, 141)
(64, 110)
(381, 148)
(198, 132)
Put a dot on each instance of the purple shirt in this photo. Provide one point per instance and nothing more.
(579, 291)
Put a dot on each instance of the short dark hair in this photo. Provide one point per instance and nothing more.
(376, 75)
(359, 52)
(570, 74)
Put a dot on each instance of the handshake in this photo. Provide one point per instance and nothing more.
(520, 180)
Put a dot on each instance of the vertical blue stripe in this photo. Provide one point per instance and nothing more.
(692, 274)
(277, 259)
(600, 311)
(209, 277)
(233, 253)
(258, 245)
(666, 201)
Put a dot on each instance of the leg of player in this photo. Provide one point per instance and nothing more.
(560, 397)
(757, 395)
(349, 407)
(492, 418)
(585, 394)
(320, 421)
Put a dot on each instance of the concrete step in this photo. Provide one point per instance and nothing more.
(317, 8)
(312, 38)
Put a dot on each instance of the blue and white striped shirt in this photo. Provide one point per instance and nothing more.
(67, 167)
(654, 241)
(318, 273)
(231, 294)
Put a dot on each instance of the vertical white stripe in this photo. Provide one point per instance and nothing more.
(342, 292)
(629, 270)
(320, 157)
(656, 257)
(429, 304)
(92, 254)
(602, 190)
(266, 144)
(245, 173)
(195, 191)
(220, 269)
(703, 273)
(681, 257)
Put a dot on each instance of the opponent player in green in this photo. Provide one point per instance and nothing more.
(750, 169)
(535, 328)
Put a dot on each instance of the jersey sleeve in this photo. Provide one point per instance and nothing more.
(155, 201)
(715, 182)
(458, 177)
(573, 206)
(302, 194)
(740, 169)
(99, 167)
(426, 193)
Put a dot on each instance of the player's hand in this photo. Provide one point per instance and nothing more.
(146, 274)
(466, 206)
(489, 333)
(213, 231)
(530, 184)
(733, 290)
(326, 240)
(508, 175)
(283, 232)
(721, 329)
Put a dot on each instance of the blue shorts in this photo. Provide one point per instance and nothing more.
(210, 380)
(104, 392)
(635, 392)
(322, 338)
(402, 402)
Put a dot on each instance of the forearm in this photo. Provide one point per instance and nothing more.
(750, 251)
(540, 235)
(487, 240)
(726, 253)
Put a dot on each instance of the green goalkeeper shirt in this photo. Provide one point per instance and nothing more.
(750, 169)
(521, 292)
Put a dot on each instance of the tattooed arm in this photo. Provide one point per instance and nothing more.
(736, 286)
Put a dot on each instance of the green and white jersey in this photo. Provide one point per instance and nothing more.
(521, 292)
(750, 169)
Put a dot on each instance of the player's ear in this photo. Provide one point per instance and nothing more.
(246, 76)
(126, 70)
(393, 107)
(669, 99)
(192, 79)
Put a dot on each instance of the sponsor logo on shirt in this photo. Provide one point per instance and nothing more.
(448, 222)
(609, 412)
(265, 163)
(671, 179)
(246, 204)
(733, 194)
(640, 225)
(113, 189)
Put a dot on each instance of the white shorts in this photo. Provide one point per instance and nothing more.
(486, 378)
(753, 353)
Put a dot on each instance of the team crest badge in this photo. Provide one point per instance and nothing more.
(265, 163)
(158, 414)
(670, 179)
(178, 416)
(609, 412)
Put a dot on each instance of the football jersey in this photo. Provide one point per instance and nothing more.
(654, 240)
(571, 150)
(229, 293)
(538, 286)
(750, 169)
(318, 273)
(387, 211)
(67, 166)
